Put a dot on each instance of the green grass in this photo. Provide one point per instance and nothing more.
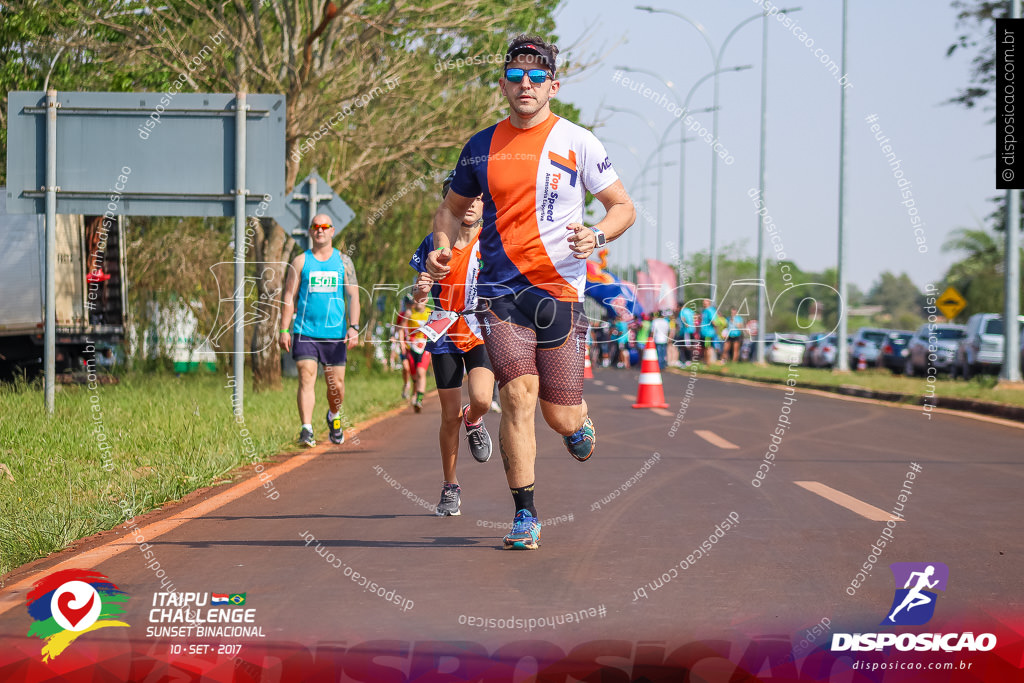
(981, 388)
(168, 435)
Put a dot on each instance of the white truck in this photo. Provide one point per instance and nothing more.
(90, 288)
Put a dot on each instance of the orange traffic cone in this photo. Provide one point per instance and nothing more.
(650, 394)
(862, 363)
(588, 372)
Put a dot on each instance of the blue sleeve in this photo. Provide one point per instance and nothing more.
(467, 181)
(419, 259)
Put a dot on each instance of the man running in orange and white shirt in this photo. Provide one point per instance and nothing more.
(459, 351)
(533, 170)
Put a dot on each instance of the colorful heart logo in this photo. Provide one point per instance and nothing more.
(76, 605)
(74, 615)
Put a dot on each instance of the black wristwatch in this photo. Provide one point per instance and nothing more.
(599, 235)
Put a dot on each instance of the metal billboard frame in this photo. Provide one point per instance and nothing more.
(101, 126)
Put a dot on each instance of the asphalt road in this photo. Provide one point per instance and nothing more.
(350, 553)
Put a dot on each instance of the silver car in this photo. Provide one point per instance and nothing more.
(865, 344)
(981, 349)
(933, 345)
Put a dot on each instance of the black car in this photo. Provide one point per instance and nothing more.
(893, 351)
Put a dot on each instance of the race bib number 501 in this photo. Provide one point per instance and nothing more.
(323, 281)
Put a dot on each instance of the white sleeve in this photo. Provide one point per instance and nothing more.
(596, 170)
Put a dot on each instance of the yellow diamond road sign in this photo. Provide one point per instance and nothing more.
(950, 302)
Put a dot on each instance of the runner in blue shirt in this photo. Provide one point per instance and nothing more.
(322, 281)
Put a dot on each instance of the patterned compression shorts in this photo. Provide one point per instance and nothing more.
(530, 334)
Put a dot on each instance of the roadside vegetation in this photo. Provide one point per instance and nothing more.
(169, 435)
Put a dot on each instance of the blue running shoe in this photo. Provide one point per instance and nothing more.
(581, 443)
(525, 534)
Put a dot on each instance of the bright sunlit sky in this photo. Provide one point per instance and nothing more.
(899, 71)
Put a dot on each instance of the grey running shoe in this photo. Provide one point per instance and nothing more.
(449, 505)
(417, 405)
(479, 439)
(337, 434)
(306, 438)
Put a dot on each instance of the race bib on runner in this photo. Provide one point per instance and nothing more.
(437, 324)
(323, 281)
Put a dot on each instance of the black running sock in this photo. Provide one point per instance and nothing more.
(523, 497)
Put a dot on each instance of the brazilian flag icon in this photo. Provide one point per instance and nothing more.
(237, 598)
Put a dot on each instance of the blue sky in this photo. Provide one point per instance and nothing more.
(899, 72)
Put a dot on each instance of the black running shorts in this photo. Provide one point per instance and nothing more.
(449, 368)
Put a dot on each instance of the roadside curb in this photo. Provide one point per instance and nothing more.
(1004, 411)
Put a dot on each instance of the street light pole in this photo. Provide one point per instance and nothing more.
(762, 293)
(761, 269)
(842, 361)
(627, 238)
(682, 150)
(716, 58)
(1011, 283)
(681, 115)
(658, 141)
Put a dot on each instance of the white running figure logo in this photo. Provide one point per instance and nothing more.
(915, 597)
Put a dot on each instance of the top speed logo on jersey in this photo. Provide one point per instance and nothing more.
(566, 164)
(552, 181)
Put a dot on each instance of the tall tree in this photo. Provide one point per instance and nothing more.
(378, 94)
(976, 21)
(899, 298)
(979, 274)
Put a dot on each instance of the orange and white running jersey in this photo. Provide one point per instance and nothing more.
(534, 183)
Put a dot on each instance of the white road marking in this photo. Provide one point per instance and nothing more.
(714, 439)
(849, 502)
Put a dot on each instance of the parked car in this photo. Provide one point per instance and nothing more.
(933, 345)
(815, 341)
(894, 350)
(823, 354)
(981, 348)
(866, 343)
(786, 348)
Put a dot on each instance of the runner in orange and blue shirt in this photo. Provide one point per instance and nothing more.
(458, 352)
(533, 170)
